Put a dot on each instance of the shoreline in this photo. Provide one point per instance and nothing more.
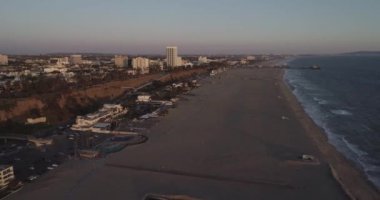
(229, 152)
(352, 180)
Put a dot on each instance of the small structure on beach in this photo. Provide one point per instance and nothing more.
(284, 118)
(38, 120)
(307, 157)
(144, 98)
(89, 154)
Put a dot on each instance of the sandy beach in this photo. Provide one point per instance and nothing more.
(239, 136)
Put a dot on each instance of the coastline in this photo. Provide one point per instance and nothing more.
(239, 149)
(352, 180)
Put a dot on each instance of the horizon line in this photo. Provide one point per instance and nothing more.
(183, 54)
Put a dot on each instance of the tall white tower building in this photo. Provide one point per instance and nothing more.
(172, 57)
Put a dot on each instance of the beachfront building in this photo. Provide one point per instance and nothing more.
(106, 113)
(3, 59)
(121, 61)
(38, 120)
(144, 98)
(141, 65)
(6, 176)
(172, 58)
(89, 154)
(76, 59)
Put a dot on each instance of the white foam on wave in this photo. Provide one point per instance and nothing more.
(320, 101)
(341, 112)
(372, 168)
(372, 172)
(354, 148)
(323, 102)
(311, 108)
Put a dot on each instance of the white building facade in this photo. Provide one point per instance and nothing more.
(6, 176)
(202, 60)
(172, 58)
(141, 64)
(106, 113)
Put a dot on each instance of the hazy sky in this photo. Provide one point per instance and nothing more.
(195, 26)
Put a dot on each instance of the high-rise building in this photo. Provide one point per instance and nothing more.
(141, 64)
(121, 61)
(76, 59)
(172, 58)
(6, 175)
(3, 59)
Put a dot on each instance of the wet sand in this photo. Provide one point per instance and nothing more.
(226, 141)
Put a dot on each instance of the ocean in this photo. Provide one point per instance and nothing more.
(343, 98)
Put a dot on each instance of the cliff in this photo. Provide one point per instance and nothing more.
(61, 106)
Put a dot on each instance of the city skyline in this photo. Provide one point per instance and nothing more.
(197, 27)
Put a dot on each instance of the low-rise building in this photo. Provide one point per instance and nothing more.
(3, 59)
(156, 63)
(179, 61)
(187, 63)
(89, 154)
(144, 98)
(55, 68)
(6, 176)
(107, 112)
(87, 62)
(131, 72)
(243, 61)
(76, 59)
(101, 126)
(36, 120)
(251, 58)
(202, 60)
(59, 61)
(121, 61)
(141, 64)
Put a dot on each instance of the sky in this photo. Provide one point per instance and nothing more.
(195, 26)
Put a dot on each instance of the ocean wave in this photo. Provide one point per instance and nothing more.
(341, 112)
(320, 101)
(355, 149)
(349, 126)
